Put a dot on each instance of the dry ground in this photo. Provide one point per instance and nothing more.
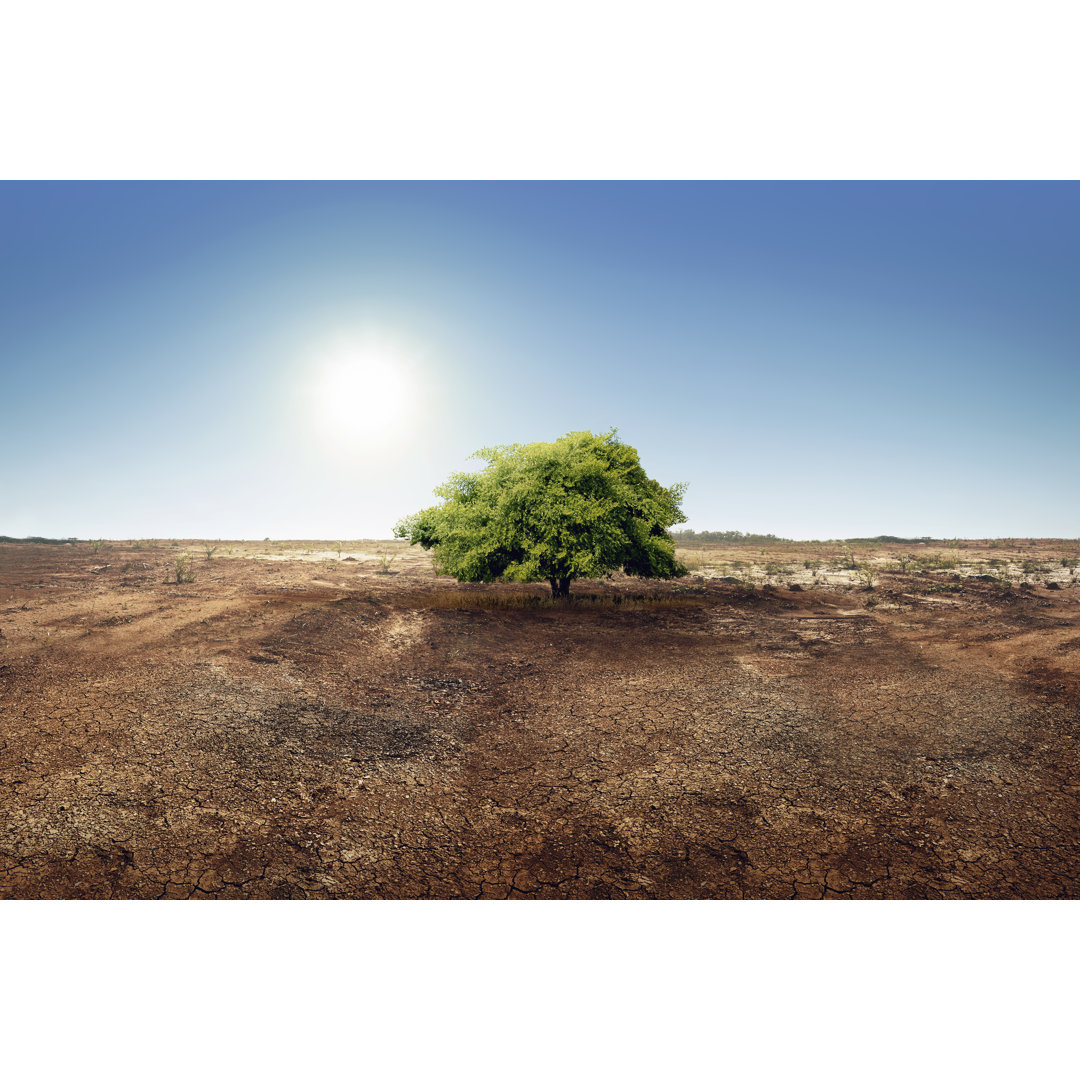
(302, 722)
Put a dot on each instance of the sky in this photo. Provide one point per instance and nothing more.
(309, 360)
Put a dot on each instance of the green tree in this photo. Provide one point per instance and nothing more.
(577, 507)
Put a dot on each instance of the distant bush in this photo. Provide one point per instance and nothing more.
(892, 540)
(729, 536)
(38, 540)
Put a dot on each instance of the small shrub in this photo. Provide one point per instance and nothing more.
(184, 574)
(209, 550)
(935, 561)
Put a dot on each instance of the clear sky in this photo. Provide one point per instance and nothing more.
(241, 360)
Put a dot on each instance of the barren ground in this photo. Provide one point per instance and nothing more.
(299, 722)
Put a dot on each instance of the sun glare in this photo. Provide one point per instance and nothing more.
(362, 391)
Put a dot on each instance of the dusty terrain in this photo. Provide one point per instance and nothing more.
(300, 721)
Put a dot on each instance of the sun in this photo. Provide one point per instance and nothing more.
(361, 391)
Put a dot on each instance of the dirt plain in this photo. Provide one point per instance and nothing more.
(307, 722)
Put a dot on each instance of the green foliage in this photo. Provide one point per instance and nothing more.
(943, 587)
(38, 540)
(886, 539)
(935, 560)
(578, 507)
(184, 574)
(687, 537)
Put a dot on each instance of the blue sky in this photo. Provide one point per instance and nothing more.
(815, 359)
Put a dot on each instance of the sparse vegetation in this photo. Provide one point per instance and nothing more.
(38, 540)
(688, 537)
(182, 568)
(935, 560)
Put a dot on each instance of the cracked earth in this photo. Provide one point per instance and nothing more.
(311, 727)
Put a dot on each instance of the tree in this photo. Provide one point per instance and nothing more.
(577, 507)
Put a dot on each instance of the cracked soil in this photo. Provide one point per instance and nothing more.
(315, 728)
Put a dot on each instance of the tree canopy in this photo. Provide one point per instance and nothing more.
(577, 507)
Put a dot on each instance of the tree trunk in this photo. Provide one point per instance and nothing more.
(559, 586)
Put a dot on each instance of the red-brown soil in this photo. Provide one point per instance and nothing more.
(313, 727)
